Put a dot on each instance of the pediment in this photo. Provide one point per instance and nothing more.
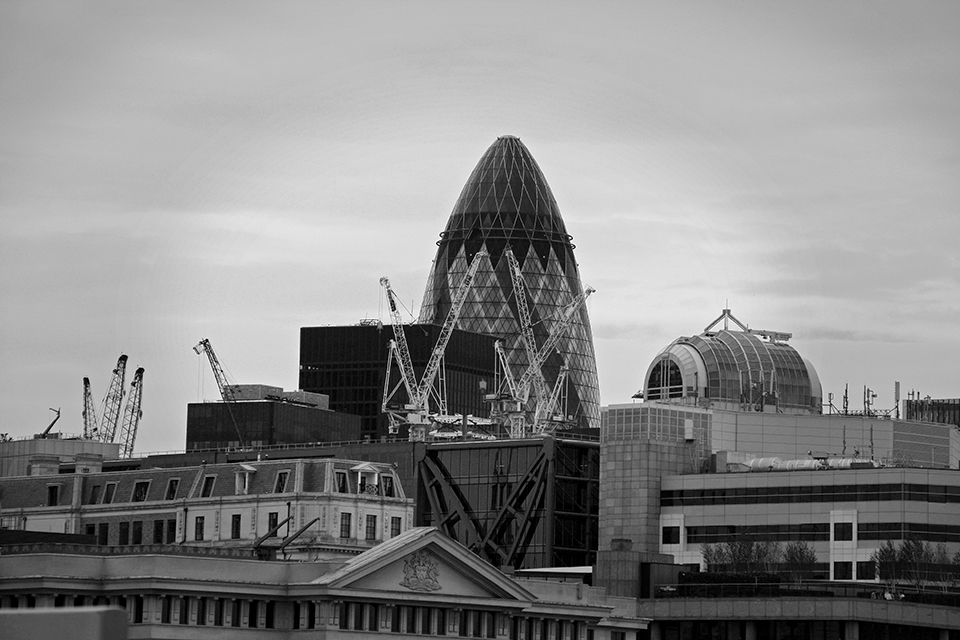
(424, 562)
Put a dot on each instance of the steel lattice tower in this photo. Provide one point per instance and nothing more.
(507, 202)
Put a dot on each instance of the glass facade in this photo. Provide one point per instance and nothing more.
(507, 202)
(737, 369)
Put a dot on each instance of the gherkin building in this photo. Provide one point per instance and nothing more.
(507, 202)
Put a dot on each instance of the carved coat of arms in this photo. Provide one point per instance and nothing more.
(420, 573)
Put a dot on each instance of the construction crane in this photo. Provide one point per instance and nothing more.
(538, 382)
(416, 411)
(518, 392)
(131, 415)
(226, 389)
(50, 426)
(567, 316)
(110, 409)
(90, 430)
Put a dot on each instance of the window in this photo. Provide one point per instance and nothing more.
(158, 532)
(218, 612)
(235, 526)
(53, 495)
(843, 531)
(344, 525)
(171, 531)
(395, 524)
(387, 484)
(198, 529)
(124, 533)
(108, 494)
(137, 534)
(184, 610)
(94, 494)
(281, 484)
(91, 530)
(201, 611)
(103, 535)
(172, 485)
(140, 491)
(252, 615)
(138, 609)
(165, 606)
(207, 490)
(843, 571)
(341, 481)
(671, 535)
(234, 613)
(866, 570)
(371, 530)
(272, 519)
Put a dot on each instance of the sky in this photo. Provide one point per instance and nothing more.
(172, 171)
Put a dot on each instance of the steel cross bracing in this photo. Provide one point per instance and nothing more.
(131, 415)
(420, 393)
(110, 410)
(90, 430)
(504, 540)
(226, 389)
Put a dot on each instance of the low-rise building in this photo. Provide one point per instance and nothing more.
(303, 508)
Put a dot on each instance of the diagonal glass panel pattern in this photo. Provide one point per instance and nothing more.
(507, 202)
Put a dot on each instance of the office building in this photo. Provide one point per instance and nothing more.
(348, 364)
(507, 202)
(263, 416)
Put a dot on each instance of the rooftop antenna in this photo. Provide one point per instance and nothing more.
(846, 398)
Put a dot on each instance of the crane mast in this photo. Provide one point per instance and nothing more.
(398, 346)
(566, 319)
(110, 410)
(419, 393)
(131, 415)
(526, 329)
(226, 390)
(89, 412)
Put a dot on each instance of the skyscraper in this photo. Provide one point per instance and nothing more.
(507, 202)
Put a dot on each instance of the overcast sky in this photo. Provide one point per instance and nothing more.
(171, 171)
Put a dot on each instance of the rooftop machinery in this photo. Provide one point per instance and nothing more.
(105, 430)
(417, 410)
(226, 389)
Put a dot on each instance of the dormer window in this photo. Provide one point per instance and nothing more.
(242, 479)
(366, 478)
(140, 491)
(386, 486)
(340, 479)
(172, 485)
(207, 490)
(281, 484)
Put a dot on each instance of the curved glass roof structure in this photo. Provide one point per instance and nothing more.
(739, 370)
(507, 202)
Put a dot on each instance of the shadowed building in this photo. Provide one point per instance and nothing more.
(507, 202)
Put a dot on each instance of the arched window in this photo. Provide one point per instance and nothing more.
(665, 381)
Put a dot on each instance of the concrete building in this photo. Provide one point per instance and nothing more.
(297, 508)
(39, 455)
(419, 584)
(743, 401)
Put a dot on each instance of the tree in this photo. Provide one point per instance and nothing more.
(799, 560)
(887, 560)
(915, 559)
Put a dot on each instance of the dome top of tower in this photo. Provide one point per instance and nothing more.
(749, 369)
(507, 201)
